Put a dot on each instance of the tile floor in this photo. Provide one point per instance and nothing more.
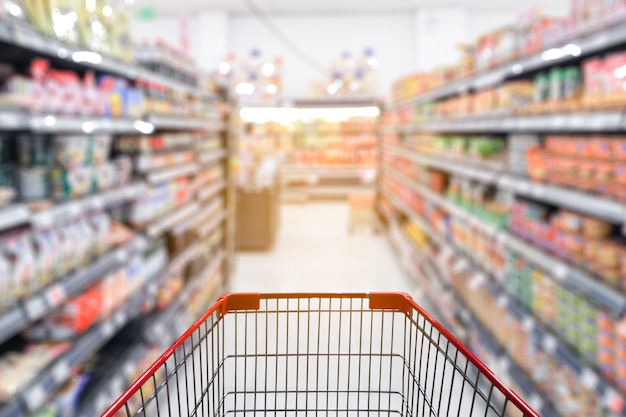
(314, 252)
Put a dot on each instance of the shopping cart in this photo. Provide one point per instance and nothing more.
(318, 354)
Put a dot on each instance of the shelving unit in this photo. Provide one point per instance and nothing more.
(326, 147)
(186, 249)
(461, 257)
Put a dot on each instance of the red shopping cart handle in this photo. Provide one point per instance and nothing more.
(391, 301)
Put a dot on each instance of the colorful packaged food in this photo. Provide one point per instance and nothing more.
(597, 229)
(6, 278)
(99, 149)
(75, 316)
(568, 221)
(104, 176)
(70, 151)
(18, 251)
(71, 183)
(619, 149)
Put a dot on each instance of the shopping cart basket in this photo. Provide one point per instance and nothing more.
(318, 354)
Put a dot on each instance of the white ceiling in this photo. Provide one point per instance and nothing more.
(333, 6)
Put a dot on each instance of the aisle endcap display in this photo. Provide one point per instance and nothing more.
(576, 200)
(557, 55)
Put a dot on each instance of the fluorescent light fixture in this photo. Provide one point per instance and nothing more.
(572, 49)
(244, 89)
(558, 53)
(372, 62)
(552, 54)
(49, 120)
(143, 127)
(223, 68)
(332, 89)
(89, 126)
(87, 56)
(292, 114)
(268, 69)
(620, 72)
(15, 10)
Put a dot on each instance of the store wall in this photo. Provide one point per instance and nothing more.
(437, 32)
(325, 37)
(166, 28)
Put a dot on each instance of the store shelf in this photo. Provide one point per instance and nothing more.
(210, 191)
(326, 171)
(164, 327)
(160, 330)
(19, 214)
(609, 121)
(47, 300)
(14, 215)
(210, 158)
(183, 123)
(543, 336)
(18, 120)
(583, 46)
(170, 220)
(28, 39)
(34, 395)
(441, 287)
(172, 173)
(570, 276)
(65, 212)
(292, 192)
(580, 201)
(108, 391)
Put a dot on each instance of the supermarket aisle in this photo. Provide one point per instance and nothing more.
(314, 253)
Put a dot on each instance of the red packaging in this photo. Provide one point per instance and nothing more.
(615, 72)
(619, 149)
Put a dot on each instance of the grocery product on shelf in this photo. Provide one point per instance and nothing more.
(114, 184)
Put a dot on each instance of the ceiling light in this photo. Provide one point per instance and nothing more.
(224, 68)
(272, 89)
(15, 10)
(50, 120)
(572, 49)
(372, 62)
(89, 126)
(244, 89)
(332, 89)
(291, 114)
(87, 56)
(552, 54)
(143, 127)
(268, 69)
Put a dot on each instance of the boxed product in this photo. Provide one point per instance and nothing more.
(74, 317)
